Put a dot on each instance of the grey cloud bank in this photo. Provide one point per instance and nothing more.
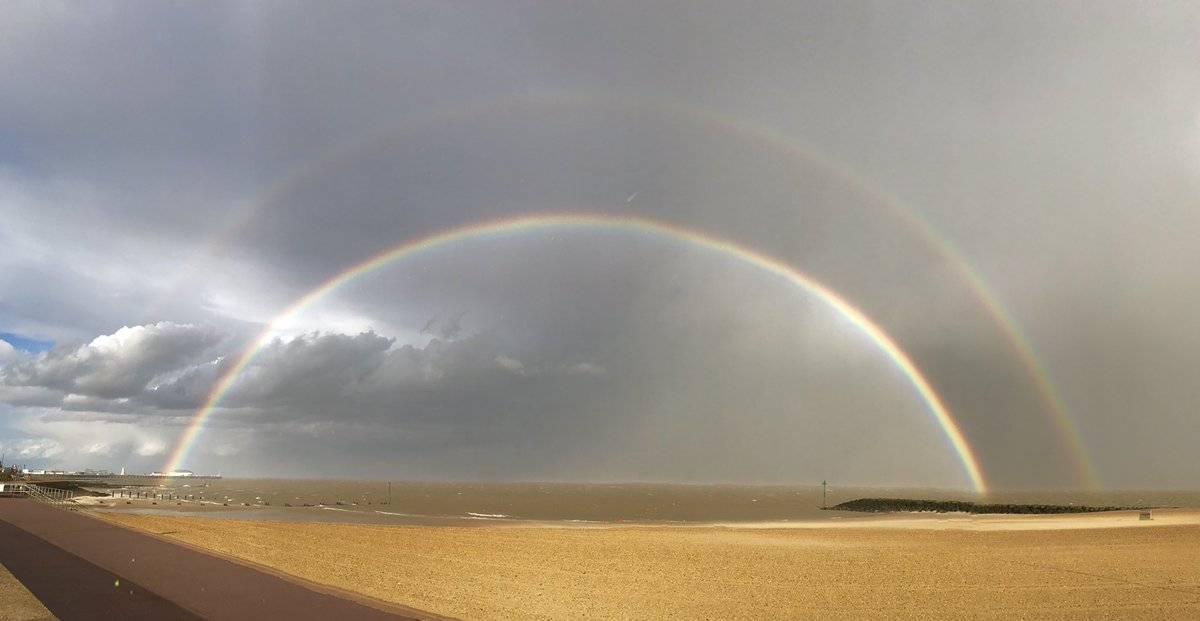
(152, 221)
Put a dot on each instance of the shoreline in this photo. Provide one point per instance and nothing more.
(1126, 518)
(601, 502)
(922, 520)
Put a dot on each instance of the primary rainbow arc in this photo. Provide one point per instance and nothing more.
(550, 222)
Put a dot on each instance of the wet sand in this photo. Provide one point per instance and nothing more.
(927, 566)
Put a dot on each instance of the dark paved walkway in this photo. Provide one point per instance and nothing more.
(73, 563)
(73, 588)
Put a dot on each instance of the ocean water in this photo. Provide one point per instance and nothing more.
(370, 501)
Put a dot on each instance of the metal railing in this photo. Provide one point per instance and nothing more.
(41, 493)
(54, 496)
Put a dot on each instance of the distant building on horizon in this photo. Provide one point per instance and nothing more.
(174, 473)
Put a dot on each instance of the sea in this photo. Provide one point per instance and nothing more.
(402, 502)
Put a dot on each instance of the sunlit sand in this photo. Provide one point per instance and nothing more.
(927, 566)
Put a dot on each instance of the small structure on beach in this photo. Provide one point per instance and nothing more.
(1144, 515)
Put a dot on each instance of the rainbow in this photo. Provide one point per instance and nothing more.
(1064, 424)
(716, 122)
(550, 222)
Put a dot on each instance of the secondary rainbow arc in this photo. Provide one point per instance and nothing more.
(632, 224)
(1018, 342)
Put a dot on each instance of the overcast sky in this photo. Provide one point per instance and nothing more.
(174, 175)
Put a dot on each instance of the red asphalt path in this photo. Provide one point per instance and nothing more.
(83, 568)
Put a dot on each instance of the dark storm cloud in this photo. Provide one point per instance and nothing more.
(25, 396)
(144, 148)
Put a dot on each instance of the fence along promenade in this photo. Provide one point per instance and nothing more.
(40, 493)
(55, 496)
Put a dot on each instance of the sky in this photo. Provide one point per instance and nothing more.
(174, 176)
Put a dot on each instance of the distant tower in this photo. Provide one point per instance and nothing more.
(122, 470)
(823, 484)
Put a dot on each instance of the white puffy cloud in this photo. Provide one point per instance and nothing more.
(52, 437)
(151, 448)
(98, 448)
(117, 365)
(8, 353)
(34, 448)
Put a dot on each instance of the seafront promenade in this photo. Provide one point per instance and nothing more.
(80, 567)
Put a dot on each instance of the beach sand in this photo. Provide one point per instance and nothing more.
(920, 566)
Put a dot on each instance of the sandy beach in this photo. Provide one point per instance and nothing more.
(929, 566)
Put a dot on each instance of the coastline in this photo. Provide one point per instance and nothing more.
(931, 566)
(992, 522)
(926, 520)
